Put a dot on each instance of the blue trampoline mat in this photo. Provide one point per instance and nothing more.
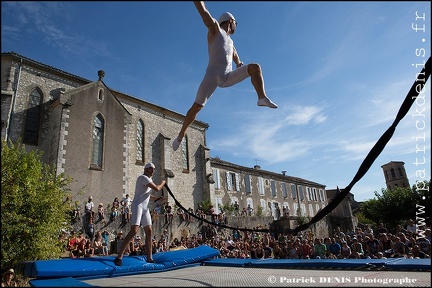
(104, 265)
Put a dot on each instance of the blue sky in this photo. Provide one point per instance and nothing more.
(338, 71)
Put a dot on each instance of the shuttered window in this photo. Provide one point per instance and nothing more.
(32, 118)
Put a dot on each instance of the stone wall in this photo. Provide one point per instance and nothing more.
(178, 229)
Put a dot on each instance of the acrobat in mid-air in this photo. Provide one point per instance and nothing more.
(219, 71)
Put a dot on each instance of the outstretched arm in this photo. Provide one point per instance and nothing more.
(208, 20)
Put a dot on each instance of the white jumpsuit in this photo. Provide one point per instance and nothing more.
(219, 71)
(139, 208)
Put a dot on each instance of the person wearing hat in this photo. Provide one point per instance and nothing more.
(140, 212)
(89, 206)
(7, 280)
(101, 211)
(219, 71)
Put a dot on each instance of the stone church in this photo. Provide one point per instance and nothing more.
(98, 136)
(102, 138)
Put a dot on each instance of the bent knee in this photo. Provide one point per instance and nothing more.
(254, 68)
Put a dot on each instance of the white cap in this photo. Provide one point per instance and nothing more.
(149, 165)
(225, 17)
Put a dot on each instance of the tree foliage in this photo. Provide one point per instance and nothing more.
(396, 206)
(228, 208)
(33, 206)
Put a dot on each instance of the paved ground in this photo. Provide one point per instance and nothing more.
(216, 276)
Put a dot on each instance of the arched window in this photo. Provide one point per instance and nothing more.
(32, 119)
(98, 140)
(140, 142)
(185, 154)
(101, 95)
(393, 174)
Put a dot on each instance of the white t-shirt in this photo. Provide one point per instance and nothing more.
(89, 206)
(412, 228)
(142, 190)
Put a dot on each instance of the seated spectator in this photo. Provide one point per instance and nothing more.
(214, 216)
(72, 245)
(174, 244)
(189, 217)
(357, 249)
(98, 245)
(372, 246)
(399, 248)
(135, 246)
(277, 251)
(367, 229)
(380, 255)
(417, 253)
(77, 211)
(319, 249)
(88, 248)
(292, 250)
(334, 248)
(411, 226)
(168, 214)
(424, 245)
(8, 279)
(126, 208)
(381, 228)
(101, 211)
(345, 250)
(89, 206)
(90, 229)
(106, 242)
(115, 209)
(181, 214)
(81, 242)
(154, 215)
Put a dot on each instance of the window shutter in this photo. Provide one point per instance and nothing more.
(247, 183)
(228, 180)
(237, 184)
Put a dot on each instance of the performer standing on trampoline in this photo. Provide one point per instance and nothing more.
(140, 213)
(219, 71)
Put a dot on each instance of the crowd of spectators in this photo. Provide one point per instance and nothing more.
(360, 243)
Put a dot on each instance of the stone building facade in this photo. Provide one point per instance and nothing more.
(102, 138)
(271, 191)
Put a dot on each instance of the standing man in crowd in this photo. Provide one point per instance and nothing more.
(219, 71)
(140, 212)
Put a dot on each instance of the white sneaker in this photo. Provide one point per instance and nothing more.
(176, 144)
(266, 102)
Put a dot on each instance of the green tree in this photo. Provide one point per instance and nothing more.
(301, 219)
(391, 207)
(33, 207)
(205, 205)
(228, 208)
(259, 212)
